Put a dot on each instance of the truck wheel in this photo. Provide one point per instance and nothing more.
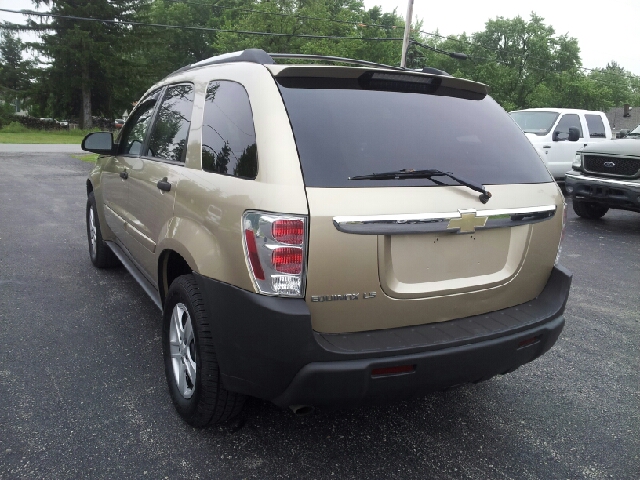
(589, 210)
(190, 363)
(99, 252)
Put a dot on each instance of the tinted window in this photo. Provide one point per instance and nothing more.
(596, 126)
(569, 120)
(135, 131)
(171, 128)
(539, 123)
(345, 132)
(228, 136)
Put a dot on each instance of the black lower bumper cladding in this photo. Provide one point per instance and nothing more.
(266, 348)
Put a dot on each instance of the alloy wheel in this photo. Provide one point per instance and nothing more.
(182, 346)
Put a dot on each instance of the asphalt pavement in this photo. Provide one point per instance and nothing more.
(40, 148)
(83, 393)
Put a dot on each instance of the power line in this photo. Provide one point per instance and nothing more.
(456, 55)
(202, 29)
(551, 72)
(280, 14)
(629, 75)
(462, 56)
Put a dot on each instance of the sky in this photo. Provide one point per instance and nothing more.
(605, 31)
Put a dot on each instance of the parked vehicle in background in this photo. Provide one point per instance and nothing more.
(606, 175)
(325, 235)
(550, 132)
(118, 123)
(624, 133)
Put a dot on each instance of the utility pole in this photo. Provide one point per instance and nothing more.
(407, 32)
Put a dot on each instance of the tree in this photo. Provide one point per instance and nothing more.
(171, 49)
(15, 72)
(90, 61)
(618, 82)
(312, 17)
(522, 56)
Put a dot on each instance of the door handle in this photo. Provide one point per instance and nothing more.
(546, 146)
(124, 175)
(164, 185)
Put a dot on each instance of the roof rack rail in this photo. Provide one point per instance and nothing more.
(328, 58)
(259, 56)
(252, 55)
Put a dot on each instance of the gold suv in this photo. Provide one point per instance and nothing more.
(328, 235)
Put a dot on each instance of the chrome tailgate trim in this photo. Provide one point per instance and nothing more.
(460, 222)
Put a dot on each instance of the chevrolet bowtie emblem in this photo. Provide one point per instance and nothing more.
(467, 223)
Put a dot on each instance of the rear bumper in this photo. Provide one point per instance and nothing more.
(266, 348)
(621, 194)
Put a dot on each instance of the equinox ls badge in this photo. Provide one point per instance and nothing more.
(346, 296)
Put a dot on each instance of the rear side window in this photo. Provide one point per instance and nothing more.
(596, 126)
(228, 135)
(567, 121)
(171, 129)
(344, 131)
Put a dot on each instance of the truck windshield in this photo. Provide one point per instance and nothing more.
(539, 123)
(342, 131)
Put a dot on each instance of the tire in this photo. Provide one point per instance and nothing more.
(99, 252)
(188, 350)
(589, 210)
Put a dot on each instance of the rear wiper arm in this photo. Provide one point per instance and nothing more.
(406, 173)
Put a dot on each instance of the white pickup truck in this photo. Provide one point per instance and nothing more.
(558, 133)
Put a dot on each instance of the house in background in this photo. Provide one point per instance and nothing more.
(625, 117)
(17, 105)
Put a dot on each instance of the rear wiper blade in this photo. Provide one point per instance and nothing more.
(407, 173)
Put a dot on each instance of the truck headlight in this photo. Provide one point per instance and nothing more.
(577, 161)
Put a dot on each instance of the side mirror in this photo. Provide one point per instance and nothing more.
(574, 134)
(556, 136)
(623, 133)
(99, 142)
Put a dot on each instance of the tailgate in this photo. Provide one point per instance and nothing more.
(389, 257)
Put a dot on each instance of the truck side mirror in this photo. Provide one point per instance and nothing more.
(574, 134)
(99, 142)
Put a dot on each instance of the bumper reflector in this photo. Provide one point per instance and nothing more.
(529, 341)
(377, 372)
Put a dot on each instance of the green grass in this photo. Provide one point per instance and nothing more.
(90, 157)
(17, 133)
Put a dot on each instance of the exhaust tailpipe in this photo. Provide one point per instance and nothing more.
(301, 410)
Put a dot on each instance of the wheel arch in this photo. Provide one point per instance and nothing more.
(171, 265)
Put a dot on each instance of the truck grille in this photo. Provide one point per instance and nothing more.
(626, 167)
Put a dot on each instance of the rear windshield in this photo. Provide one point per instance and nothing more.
(343, 130)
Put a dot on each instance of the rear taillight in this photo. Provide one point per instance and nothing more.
(288, 231)
(275, 249)
(287, 260)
